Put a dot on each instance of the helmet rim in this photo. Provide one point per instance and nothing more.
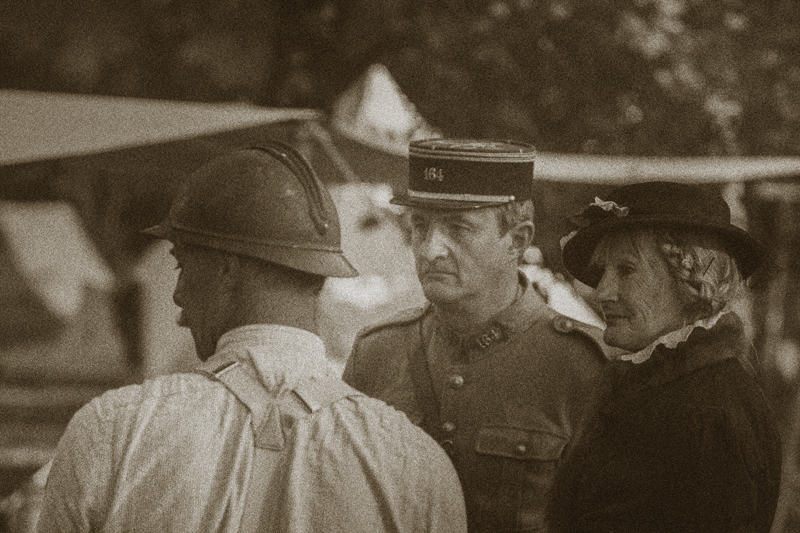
(316, 259)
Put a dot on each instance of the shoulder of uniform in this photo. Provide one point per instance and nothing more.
(399, 320)
(565, 325)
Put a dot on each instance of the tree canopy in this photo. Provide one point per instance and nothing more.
(637, 77)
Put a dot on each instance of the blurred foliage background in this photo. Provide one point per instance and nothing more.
(636, 77)
(624, 77)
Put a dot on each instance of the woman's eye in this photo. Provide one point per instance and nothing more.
(626, 270)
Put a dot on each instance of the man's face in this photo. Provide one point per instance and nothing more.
(198, 293)
(460, 253)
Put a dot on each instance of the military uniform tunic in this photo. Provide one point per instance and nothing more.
(504, 401)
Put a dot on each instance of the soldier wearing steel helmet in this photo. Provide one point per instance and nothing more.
(264, 436)
(498, 378)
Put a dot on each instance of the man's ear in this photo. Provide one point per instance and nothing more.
(521, 238)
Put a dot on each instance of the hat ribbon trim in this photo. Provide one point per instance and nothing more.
(610, 206)
(460, 197)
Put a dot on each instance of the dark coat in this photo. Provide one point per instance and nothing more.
(685, 442)
(504, 401)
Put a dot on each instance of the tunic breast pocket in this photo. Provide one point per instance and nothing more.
(519, 467)
(516, 443)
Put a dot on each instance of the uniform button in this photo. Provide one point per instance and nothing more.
(449, 427)
(521, 449)
(456, 381)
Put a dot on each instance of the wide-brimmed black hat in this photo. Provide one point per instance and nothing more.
(658, 204)
(467, 173)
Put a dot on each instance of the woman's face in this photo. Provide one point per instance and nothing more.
(641, 301)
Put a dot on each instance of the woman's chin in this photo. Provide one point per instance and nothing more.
(622, 340)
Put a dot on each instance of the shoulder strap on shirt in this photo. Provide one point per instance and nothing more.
(310, 395)
(316, 393)
(263, 406)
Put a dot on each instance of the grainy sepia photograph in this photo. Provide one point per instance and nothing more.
(402, 266)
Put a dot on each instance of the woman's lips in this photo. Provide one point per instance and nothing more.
(613, 317)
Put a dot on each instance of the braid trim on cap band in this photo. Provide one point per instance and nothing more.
(460, 197)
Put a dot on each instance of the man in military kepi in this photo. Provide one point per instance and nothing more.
(498, 378)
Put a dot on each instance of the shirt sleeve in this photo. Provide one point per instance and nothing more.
(442, 499)
(78, 478)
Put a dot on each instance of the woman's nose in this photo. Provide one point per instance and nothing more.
(606, 290)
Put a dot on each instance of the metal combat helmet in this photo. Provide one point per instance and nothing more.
(264, 202)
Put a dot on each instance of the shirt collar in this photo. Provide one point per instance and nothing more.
(281, 355)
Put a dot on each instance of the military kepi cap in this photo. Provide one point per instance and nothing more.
(467, 173)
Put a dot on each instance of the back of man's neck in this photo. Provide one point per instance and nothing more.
(293, 310)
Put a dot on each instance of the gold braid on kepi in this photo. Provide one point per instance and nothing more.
(467, 173)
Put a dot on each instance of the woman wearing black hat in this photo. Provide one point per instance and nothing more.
(684, 440)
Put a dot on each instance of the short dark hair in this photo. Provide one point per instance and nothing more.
(299, 278)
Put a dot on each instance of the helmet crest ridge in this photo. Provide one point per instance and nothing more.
(301, 168)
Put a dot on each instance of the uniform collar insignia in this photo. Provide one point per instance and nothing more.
(492, 334)
(517, 317)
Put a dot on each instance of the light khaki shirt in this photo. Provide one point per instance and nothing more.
(175, 453)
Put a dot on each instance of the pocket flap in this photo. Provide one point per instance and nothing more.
(516, 443)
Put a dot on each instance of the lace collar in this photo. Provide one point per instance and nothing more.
(672, 339)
